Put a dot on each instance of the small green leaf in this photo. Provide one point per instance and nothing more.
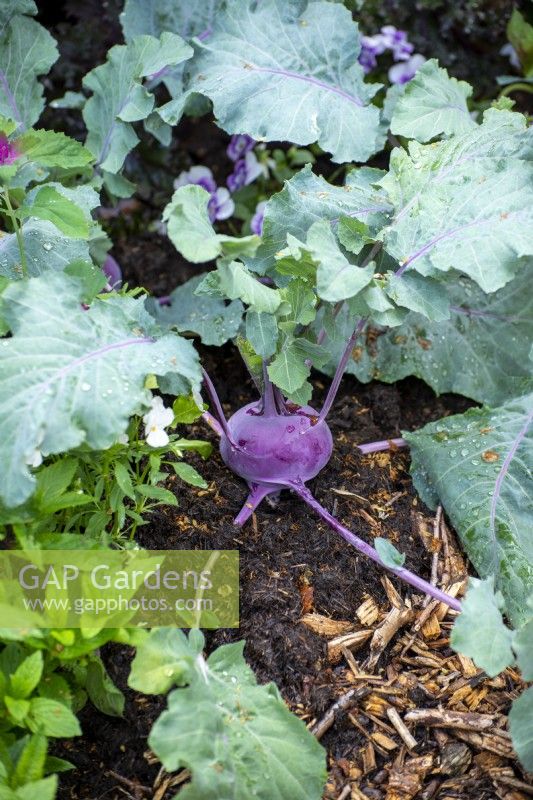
(31, 762)
(188, 474)
(191, 231)
(236, 282)
(123, 479)
(18, 709)
(102, 691)
(165, 659)
(27, 676)
(262, 332)
(50, 205)
(185, 410)
(54, 149)
(52, 719)
(390, 556)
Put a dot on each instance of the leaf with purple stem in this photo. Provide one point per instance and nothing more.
(281, 69)
(119, 96)
(479, 466)
(482, 351)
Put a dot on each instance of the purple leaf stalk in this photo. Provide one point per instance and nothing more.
(276, 445)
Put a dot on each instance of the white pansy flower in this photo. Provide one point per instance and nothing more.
(155, 421)
(35, 458)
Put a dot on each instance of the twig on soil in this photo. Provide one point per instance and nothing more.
(401, 728)
(344, 702)
(137, 788)
(440, 718)
(395, 619)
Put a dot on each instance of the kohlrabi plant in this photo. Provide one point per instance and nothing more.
(238, 738)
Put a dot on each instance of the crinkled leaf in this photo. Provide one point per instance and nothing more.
(191, 231)
(70, 375)
(423, 295)
(289, 369)
(11, 8)
(48, 204)
(262, 332)
(236, 282)
(307, 198)
(119, 97)
(481, 351)
(521, 728)
(465, 204)
(54, 149)
(210, 317)
(302, 301)
(337, 278)
(27, 51)
(259, 748)
(479, 632)
(45, 247)
(166, 658)
(280, 70)
(432, 104)
(479, 465)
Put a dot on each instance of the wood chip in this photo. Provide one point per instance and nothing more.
(350, 697)
(384, 741)
(395, 619)
(325, 626)
(368, 612)
(431, 628)
(408, 739)
(434, 717)
(369, 758)
(350, 641)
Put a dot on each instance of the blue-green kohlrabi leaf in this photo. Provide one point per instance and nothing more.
(284, 69)
(70, 375)
(120, 98)
(238, 739)
(431, 104)
(479, 465)
(209, 317)
(481, 351)
(307, 198)
(27, 50)
(465, 203)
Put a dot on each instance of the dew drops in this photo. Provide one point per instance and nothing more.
(464, 451)
(47, 246)
(86, 387)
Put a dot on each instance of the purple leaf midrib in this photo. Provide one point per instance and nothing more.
(307, 79)
(92, 355)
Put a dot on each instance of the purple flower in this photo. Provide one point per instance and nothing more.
(396, 41)
(371, 46)
(8, 151)
(200, 176)
(405, 70)
(256, 223)
(239, 145)
(220, 205)
(245, 171)
(113, 273)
